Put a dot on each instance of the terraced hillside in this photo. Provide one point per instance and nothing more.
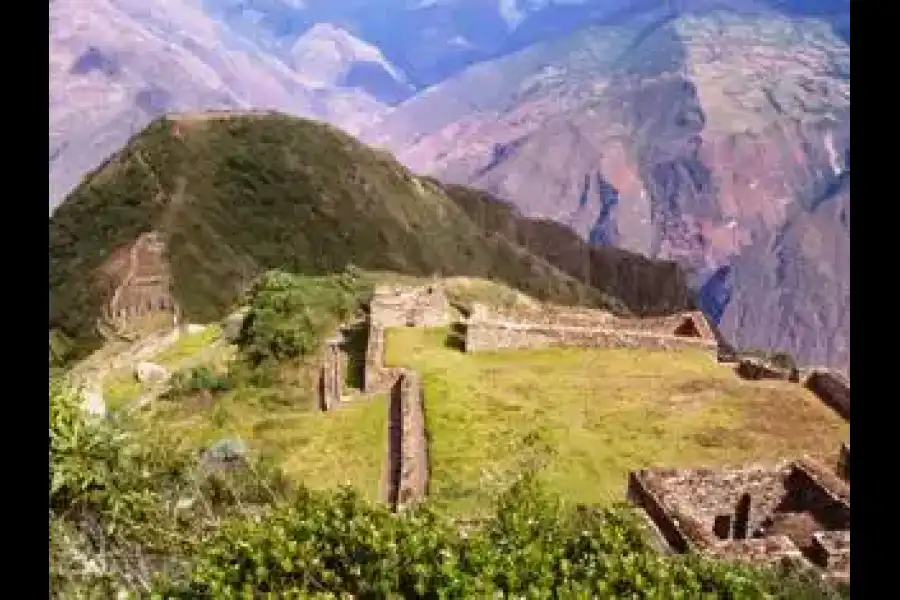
(232, 195)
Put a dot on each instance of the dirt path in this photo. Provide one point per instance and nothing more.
(92, 372)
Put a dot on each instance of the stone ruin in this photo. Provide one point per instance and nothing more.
(832, 387)
(756, 369)
(399, 306)
(490, 330)
(139, 286)
(791, 512)
(796, 512)
(391, 306)
(406, 480)
(332, 372)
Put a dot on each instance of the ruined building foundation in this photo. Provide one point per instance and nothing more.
(797, 512)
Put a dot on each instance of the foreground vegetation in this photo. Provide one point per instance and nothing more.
(129, 513)
(591, 416)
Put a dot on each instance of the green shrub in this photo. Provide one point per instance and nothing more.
(116, 500)
(534, 546)
(197, 379)
(290, 315)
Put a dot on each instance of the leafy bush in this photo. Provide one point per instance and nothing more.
(336, 546)
(290, 315)
(125, 506)
(109, 519)
(197, 379)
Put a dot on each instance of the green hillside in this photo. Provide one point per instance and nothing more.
(238, 195)
(646, 286)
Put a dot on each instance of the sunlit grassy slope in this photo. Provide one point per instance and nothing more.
(321, 450)
(601, 412)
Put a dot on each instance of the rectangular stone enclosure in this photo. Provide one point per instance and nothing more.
(797, 511)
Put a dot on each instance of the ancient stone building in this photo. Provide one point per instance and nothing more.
(797, 511)
(399, 306)
(490, 329)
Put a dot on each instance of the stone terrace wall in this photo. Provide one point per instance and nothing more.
(488, 336)
(832, 388)
(376, 377)
(411, 467)
(407, 454)
(331, 376)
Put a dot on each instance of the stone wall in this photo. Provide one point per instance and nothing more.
(736, 513)
(715, 492)
(407, 454)
(331, 375)
(831, 550)
(641, 493)
(376, 377)
(755, 369)
(484, 336)
(490, 329)
(832, 388)
(688, 324)
(411, 467)
(399, 306)
(814, 489)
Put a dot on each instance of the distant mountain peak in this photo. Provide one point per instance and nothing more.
(327, 55)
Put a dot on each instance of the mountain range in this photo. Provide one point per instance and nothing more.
(714, 133)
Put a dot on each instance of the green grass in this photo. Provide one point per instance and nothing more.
(321, 450)
(119, 387)
(188, 346)
(602, 413)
